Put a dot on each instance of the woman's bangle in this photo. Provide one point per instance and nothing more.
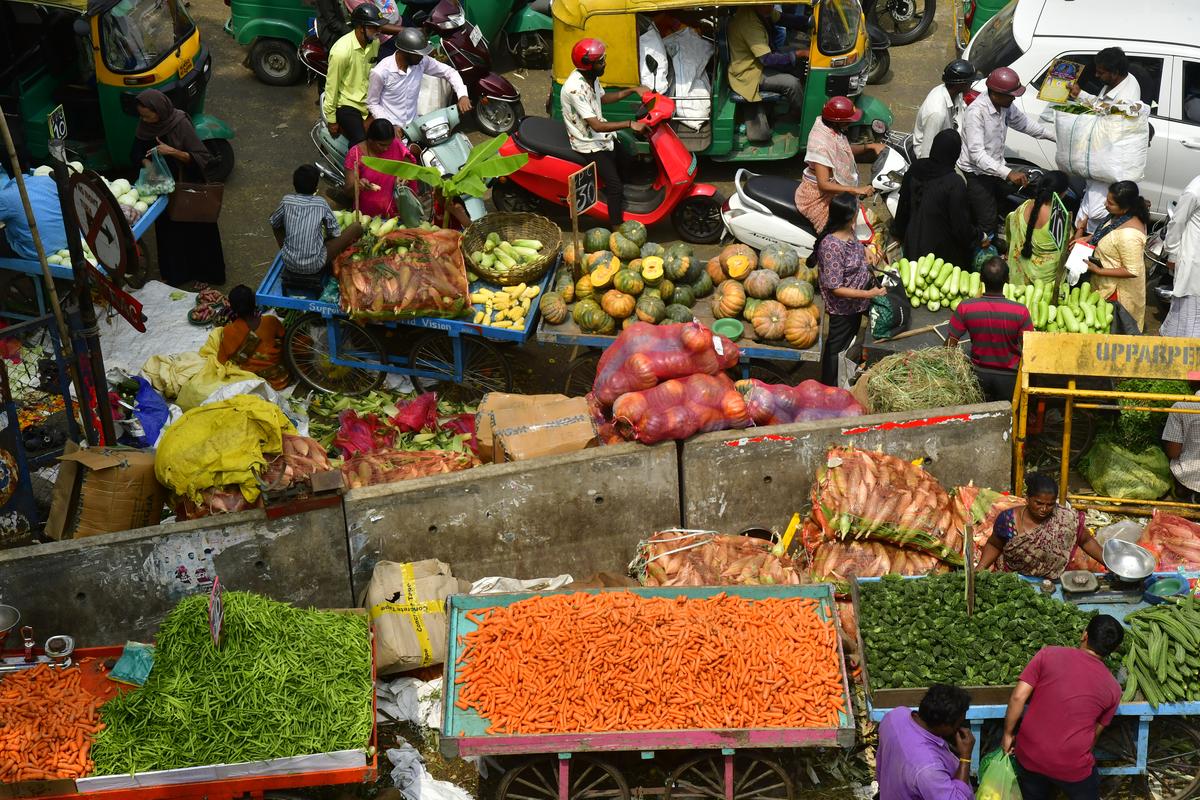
(964, 760)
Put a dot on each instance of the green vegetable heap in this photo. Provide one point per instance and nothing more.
(917, 632)
(284, 682)
(1163, 662)
(1140, 429)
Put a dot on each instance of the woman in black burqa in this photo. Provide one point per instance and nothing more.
(187, 251)
(932, 215)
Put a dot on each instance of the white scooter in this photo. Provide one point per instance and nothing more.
(890, 167)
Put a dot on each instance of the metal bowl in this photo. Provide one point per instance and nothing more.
(1128, 561)
(9, 617)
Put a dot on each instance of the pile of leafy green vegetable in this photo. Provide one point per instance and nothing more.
(1140, 429)
(917, 632)
(284, 682)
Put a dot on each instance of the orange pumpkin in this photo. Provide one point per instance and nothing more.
(794, 293)
(617, 305)
(734, 250)
(715, 271)
(729, 300)
(800, 329)
(739, 266)
(769, 319)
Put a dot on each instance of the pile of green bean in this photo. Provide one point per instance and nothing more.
(284, 682)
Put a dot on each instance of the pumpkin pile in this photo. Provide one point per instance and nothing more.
(772, 290)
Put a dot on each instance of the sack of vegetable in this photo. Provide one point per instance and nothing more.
(404, 273)
(706, 558)
(680, 408)
(839, 561)
(1102, 146)
(1114, 471)
(980, 507)
(406, 638)
(645, 355)
(301, 458)
(779, 404)
(1174, 541)
(390, 466)
(998, 777)
(865, 494)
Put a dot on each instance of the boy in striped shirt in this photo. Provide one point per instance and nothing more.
(308, 234)
(995, 325)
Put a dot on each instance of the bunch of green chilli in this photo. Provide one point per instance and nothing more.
(284, 682)
(917, 632)
(1163, 660)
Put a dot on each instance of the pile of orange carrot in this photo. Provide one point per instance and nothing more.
(617, 661)
(47, 721)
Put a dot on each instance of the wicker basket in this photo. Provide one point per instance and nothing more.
(514, 225)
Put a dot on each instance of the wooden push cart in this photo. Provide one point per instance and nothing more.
(698, 764)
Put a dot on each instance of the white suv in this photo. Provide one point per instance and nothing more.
(1030, 35)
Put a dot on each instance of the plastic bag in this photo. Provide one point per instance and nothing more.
(680, 408)
(210, 377)
(155, 177)
(707, 558)
(1114, 471)
(981, 507)
(1103, 147)
(217, 500)
(838, 561)
(645, 355)
(428, 279)
(892, 313)
(997, 777)
(779, 404)
(389, 466)
(864, 494)
(1174, 541)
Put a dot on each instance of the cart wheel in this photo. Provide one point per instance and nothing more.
(306, 351)
(581, 374)
(754, 778)
(1047, 445)
(485, 369)
(1172, 761)
(591, 779)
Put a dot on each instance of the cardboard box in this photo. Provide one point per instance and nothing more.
(407, 605)
(496, 401)
(104, 490)
(547, 429)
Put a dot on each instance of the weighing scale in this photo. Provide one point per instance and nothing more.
(57, 651)
(1097, 589)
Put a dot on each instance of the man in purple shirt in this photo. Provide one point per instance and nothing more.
(926, 754)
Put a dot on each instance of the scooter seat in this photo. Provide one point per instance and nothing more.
(778, 194)
(547, 137)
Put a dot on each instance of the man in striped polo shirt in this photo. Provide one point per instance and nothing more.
(308, 234)
(995, 325)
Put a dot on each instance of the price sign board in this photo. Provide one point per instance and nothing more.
(121, 301)
(584, 189)
(102, 223)
(57, 123)
(216, 611)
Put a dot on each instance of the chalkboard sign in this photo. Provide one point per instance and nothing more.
(584, 189)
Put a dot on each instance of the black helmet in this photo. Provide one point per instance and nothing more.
(366, 15)
(412, 40)
(958, 71)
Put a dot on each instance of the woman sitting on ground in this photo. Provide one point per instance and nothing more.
(253, 340)
(1039, 538)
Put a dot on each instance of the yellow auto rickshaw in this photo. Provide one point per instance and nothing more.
(710, 118)
(93, 57)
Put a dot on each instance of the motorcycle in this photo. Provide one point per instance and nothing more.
(879, 57)
(496, 102)
(890, 166)
(1160, 281)
(528, 32)
(442, 147)
(694, 208)
(904, 21)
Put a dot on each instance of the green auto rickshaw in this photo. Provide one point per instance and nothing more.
(92, 58)
(837, 65)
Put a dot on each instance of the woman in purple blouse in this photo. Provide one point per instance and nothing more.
(845, 274)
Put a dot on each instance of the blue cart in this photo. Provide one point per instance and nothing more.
(330, 352)
(1168, 762)
(695, 764)
(21, 279)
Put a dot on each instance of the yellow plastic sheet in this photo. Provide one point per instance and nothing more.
(171, 374)
(221, 444)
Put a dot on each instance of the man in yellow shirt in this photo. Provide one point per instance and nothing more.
(350, 62)
(753, 67)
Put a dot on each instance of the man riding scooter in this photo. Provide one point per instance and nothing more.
(589, 133)
(350, 62)
(395, 83)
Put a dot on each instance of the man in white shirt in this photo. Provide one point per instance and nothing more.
(589, 133)
(1181, 441)
(985, 128)
(395, 83)
(1112, 67)
(1182, 244)
(944, 106)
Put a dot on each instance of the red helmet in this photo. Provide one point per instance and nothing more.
(840, 109)
(587, 53)
(1003, 80)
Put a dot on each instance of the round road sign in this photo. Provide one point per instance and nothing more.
(102, 223)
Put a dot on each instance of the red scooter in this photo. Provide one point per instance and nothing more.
(695, 208)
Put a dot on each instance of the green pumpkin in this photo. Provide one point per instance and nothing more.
(666, 290)
(565, 286)
(650, 309)
(582, 309)
(761, 283)
(684, 296)
(651, 291)
(678, 313)
(780, 259)
(634, 231)
(554, 308)
(635, 265)
(702, 286)
(794, 293)
(748, 309)
(652, 249)
(628, 281)
(596, 239)
(595, 320)
(682, 249)
(807, 273)
(623, 247)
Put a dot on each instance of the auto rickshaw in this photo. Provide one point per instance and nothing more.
(837, 66)
(93, 57)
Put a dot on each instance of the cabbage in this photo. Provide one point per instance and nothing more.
(141, 207)
(128, 198)
(43, 170)
(119, 187)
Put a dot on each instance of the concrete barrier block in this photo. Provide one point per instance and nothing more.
(576, 513)
(733, 480)
(106, 589)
